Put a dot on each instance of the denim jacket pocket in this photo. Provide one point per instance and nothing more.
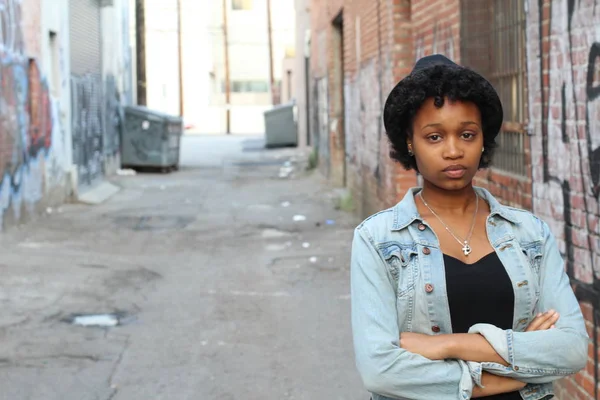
(400, 261)
(532, 259)
(533, 253)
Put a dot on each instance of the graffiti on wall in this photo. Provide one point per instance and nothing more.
(96, 124)
(566, 150)
(11, 34)
(29, 125)
(567, 180)
(86, 126)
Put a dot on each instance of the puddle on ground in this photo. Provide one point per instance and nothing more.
(270, 233)
(278, 246)
(97, 320)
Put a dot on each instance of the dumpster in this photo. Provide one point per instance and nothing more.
(150, 139)
(280, 126)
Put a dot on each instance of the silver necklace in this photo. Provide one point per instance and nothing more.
(466, 248)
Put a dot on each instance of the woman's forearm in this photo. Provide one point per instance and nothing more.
(472, 347)
(459, 346)
(495, 385)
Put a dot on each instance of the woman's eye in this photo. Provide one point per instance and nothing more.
(468, 135)
(434, 138)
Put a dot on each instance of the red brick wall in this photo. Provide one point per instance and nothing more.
(377, 53)
(564, 113)
(436, 28)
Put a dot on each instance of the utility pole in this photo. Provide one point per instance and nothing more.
(227, 83)
(140, 45)
(180, 56)
(270, 37)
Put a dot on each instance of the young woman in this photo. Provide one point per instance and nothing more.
(455, 296)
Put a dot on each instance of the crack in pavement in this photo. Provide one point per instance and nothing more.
(115, 367)
(22, 363)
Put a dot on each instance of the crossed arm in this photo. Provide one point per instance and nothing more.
(473, 347)
(383, 354)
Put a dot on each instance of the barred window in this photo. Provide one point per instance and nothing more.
(493, 44)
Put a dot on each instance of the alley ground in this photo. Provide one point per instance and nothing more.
(223, 290)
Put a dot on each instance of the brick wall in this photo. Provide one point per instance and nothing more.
(563, 68)
(381, 41)
(561, 180)
(377, 52)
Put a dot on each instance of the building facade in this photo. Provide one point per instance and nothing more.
(100, 60)
(34, 108)
(59, 105)
(542, 56)
(205, 28)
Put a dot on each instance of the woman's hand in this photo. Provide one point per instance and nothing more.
(543, 321)
(432, 347)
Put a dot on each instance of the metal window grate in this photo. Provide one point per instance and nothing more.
(493, 44)
(510, 154)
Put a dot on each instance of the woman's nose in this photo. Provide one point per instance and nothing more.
(452, 150)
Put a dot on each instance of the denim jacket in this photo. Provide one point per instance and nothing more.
(396, 255)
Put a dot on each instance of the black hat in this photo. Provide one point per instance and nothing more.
(394, 111)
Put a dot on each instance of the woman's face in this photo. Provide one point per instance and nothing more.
(447, 143)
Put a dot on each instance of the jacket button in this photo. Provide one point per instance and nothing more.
(429, 288)
(426, 251)
(516, 368)
(422, 227)
(435, 328)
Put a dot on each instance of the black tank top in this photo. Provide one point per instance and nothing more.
(480, 293)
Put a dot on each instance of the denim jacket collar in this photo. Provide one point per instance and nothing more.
(405, 212)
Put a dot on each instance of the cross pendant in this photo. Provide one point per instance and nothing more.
(466, 249)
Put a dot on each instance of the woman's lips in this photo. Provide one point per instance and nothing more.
(455, 171)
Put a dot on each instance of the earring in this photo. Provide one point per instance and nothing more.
(482, 149)
(410, 152)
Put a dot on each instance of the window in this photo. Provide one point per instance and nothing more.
(247, 86)
(54, 65)
(241, 4)
(493, 44)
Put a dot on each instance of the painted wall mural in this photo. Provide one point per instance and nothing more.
(566, 114)
(563, 58)
(30, 128)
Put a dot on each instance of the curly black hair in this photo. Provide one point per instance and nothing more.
(452, 82)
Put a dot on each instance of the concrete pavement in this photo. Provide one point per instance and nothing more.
(224, 289)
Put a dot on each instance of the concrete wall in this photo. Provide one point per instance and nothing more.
(302, 52)
(117, 86)
(162, 70)
(116, 47)
(289, 89)
(46, 97)
(100, 84)
(34, 142)
(560, 129)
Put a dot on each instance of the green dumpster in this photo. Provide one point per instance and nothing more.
(150, 138)
(280, 126)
